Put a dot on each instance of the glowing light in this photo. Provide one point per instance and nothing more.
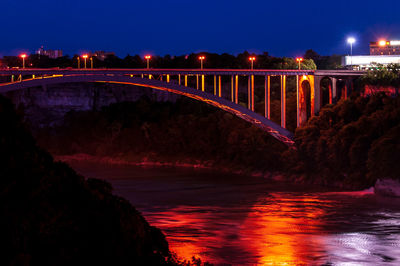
(85, 56)
(202, 57)
(23, 55)
(147, 57)
(351, 40)
(382, 43)
(394, 42)
(299, 59)
(252, 58)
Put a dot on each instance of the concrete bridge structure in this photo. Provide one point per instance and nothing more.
(178, 81)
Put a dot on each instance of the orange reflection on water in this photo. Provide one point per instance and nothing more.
(283, 231)
(279, 229)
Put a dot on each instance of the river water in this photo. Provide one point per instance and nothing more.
(238, 220)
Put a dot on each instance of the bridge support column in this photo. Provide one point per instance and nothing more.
(179, 79)
(12, 78)
(237, 89)
(248, 93)
(349, 87)
(317, 94)
(186, 80)
(167, 78)
(215, 85)
(297, 101)
(150, 76)
(142, 75)
(219, 87)
(334, 91)
(267, 98)
(202, 83)
(197, 81)
(232, 90)
(252, 93)
(283, 101)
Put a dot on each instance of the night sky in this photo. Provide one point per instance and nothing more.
(282, 28)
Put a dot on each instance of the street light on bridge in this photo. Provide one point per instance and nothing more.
(299, 60)
(23, 56)
(148, 57)
(351, 41)
(252, 58)
(201, 58)
(85, 56)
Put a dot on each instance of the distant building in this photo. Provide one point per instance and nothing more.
(50, 53)
(102, 55)
(384, 47)
(370, 61)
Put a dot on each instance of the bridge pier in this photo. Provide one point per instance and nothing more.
(215, 85)
(248, 93)
(186, 82)
(232, 90)
(237, 89)
(283, 101)
(219, 86)
(202, 83)
(267, 97)
(197, 81)
(317, 94)
(179, 79)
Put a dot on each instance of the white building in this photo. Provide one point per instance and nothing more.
(368, 61)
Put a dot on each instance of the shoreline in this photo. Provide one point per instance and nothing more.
(144, 163)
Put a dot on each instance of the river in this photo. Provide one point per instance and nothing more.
(230, 219)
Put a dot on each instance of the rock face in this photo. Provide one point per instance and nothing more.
(47, 105)
(387, 187)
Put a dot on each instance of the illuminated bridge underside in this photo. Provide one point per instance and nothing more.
(260, 121)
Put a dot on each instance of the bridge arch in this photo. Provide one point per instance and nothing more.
(267, 125)
(305, 98)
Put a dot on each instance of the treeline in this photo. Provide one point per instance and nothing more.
(186, 131)
(383, 76)
(190, 61)
(353, 143)
(52, 216)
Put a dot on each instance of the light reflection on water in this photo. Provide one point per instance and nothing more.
(227, 219)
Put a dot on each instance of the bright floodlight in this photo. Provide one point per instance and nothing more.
(85, 56)
(147, 57)
(351, 40)
(382, 43)
(23, 56)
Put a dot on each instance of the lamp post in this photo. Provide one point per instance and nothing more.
(351, 41)
(23, 56)
(201, 58)
(85, 56)
(299, 60)
(148, 57)
(252, 58)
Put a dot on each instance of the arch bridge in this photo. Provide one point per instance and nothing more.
(178, 81)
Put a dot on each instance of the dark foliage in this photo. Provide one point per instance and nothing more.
(52, 216)
(354, 142)
(185, 131)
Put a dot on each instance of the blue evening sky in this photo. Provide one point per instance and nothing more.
(176, 27)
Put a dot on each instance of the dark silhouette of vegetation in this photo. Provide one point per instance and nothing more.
(52, 216)
(324, 62)
(190, 61)
(186, 131)
(353, 143)
(383, 76)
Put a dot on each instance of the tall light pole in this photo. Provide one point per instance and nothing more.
(85, 56)
(252, 58)
(23, 56)
(148, 57)
(299, 60)
(351, 41)
(201, 58)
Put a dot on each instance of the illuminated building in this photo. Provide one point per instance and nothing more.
(384, 47)
(370, 61)
(50, 53)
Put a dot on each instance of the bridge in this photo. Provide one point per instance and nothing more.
(178, 81)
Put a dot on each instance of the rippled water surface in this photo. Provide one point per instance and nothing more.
(228, 219)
